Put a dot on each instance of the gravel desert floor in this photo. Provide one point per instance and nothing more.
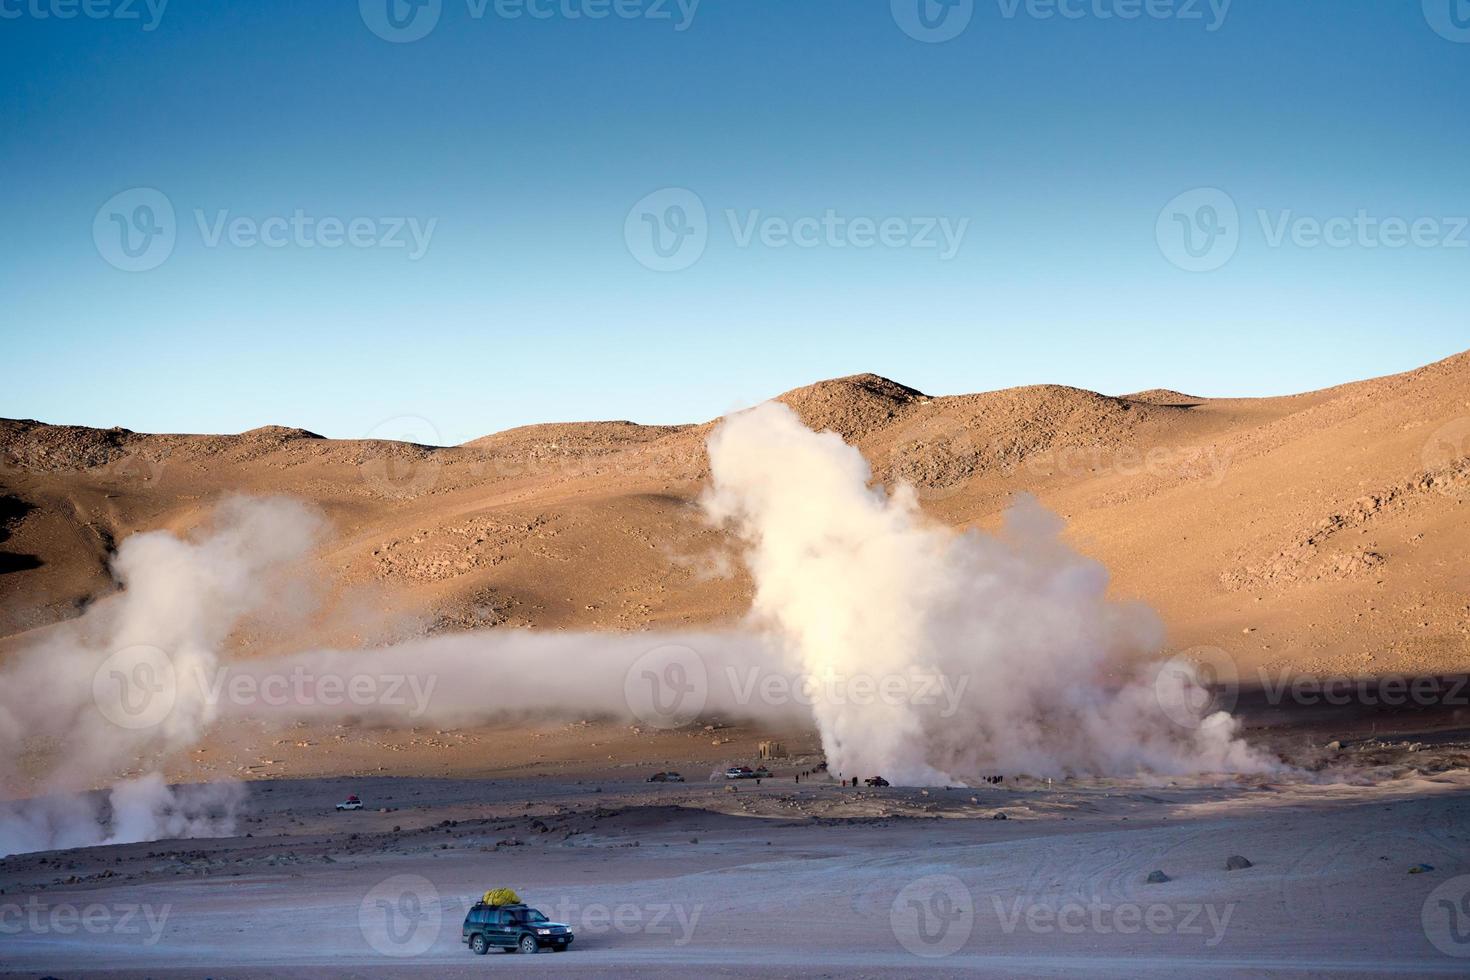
(788, 878)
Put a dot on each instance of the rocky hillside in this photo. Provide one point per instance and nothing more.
(1325, 531)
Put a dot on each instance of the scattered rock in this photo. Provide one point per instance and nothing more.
(1000, 816)
(1420, 869)
(1157, 878)
(1236, 863)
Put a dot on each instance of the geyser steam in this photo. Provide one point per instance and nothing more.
(102, 691)
(923, 654)
(861, 585)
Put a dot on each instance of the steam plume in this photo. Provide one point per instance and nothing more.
(75, 694)
(923, 654)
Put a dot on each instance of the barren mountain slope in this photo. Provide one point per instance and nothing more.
(1326, 530)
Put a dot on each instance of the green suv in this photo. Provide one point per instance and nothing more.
(517, 927)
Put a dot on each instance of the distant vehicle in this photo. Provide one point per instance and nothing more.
(821, 767)
(666, 777)
(745, 772)
(513, 927)
(351, 803)
(875, 781)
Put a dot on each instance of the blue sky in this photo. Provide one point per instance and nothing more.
(1068, 157)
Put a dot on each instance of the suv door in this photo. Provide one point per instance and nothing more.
(498, 928)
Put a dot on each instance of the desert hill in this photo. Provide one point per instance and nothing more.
(1326, 531)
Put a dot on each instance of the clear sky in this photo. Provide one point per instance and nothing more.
(1129, 189)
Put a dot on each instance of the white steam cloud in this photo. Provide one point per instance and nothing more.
(860, 584)
(924, 655)
(101, 692)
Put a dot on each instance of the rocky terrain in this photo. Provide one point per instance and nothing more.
(1322, 532)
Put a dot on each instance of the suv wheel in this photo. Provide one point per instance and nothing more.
(478, 945)
(527, 944)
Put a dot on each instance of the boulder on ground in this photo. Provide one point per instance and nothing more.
(1235, 863)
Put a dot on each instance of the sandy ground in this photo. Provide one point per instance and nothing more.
(787, 878)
